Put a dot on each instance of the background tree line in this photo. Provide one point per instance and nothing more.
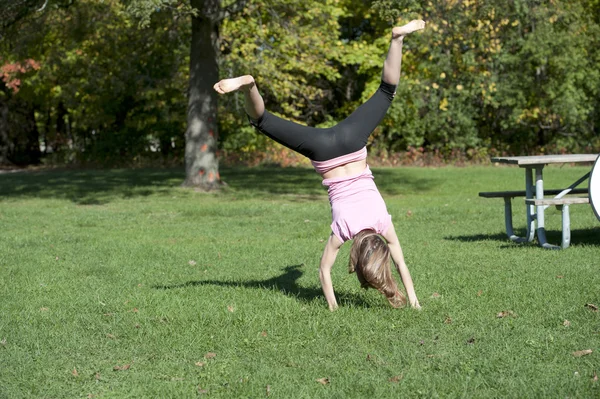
(107, 82)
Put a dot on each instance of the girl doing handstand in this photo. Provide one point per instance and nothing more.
(339, 154)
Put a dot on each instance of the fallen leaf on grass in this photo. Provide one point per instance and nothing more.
(448, 320)
(409, 213)
(375, 359)
(560, 276)
(210, 355)
(567, 323)
(110, 336)
(263, 334)
(3, 342)
(75, 373)
(479, 292)
(435, 295)
(268, 390)
(592, 307)
(202, 391)
(505, 313)
(595, 377)
(122, 368)
(44, 309)
(582, 353)
(323, 381)
(396, 378)
(192, 263)
(97, 376)
(231, 308)
(200, 364)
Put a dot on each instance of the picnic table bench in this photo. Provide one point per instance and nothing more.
(536, 200)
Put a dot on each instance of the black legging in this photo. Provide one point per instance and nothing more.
(322, 144)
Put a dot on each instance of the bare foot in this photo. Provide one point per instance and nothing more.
(233, 84)
(412, 26)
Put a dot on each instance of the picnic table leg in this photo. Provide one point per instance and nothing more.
(530, 208)
(529, 213)
(508, 221)
(566, 227)
(539, 194)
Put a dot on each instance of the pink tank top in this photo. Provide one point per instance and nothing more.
(325, 166)
(356, 204)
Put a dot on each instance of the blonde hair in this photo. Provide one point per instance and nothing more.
(370, 259)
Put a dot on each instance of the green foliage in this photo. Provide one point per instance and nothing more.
(518, 76)
(107, 91)
(292, 49)
(143, 10)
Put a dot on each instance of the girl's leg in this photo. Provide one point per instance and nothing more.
(305, 140)
(349, 135)
(253, 101)
(354, 131)
(393, 61)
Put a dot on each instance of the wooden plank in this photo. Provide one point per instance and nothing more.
(513, 194)
(558, 201)
(546, 159)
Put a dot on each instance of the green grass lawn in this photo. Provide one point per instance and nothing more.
(121, 284)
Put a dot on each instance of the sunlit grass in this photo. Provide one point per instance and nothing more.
(122, 284)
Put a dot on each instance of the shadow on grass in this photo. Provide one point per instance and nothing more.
(285, 283)
(305, 181)
(97, 187)
(88, 187)
(579, 237)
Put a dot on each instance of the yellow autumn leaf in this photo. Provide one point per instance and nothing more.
(444, 104)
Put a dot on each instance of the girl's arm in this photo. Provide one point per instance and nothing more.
(398, 257)
(327, 261)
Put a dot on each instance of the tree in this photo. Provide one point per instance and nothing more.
(201, 162)
(256, 36)
(12, 11)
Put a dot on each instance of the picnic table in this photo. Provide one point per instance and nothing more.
(536, 200)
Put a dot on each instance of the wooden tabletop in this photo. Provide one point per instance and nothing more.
(546, 159)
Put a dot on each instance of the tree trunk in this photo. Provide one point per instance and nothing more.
(4, 143)
(201, 163)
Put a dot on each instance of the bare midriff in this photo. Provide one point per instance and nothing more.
(349, 169)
